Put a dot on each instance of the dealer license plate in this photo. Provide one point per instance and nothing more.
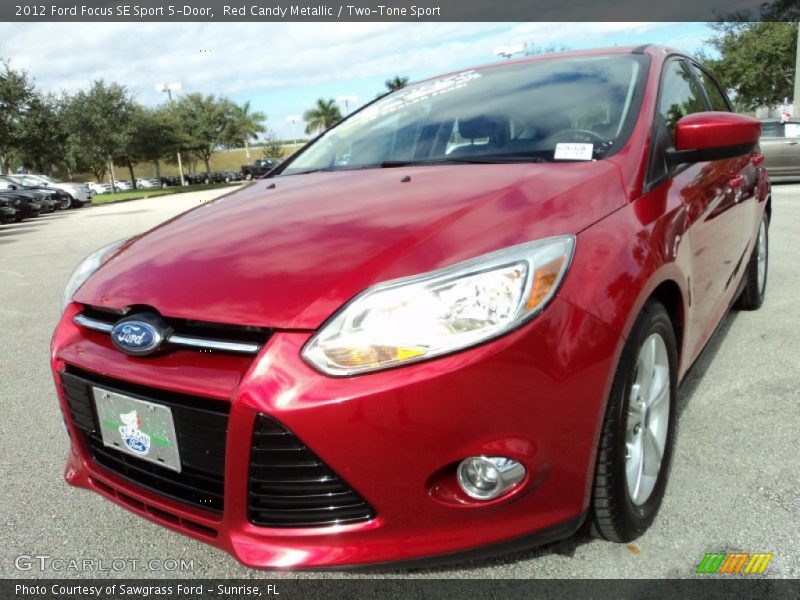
(137, 427)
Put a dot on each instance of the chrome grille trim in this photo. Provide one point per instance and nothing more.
(92, 324)
(178, 340)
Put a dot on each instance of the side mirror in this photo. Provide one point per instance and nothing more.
(713, 136)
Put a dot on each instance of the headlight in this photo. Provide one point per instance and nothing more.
(436, 313)
(83, 271)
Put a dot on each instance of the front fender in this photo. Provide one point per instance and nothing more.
(622, 260)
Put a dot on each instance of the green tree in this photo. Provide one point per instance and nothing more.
(756, 62)
(396, 83)
(42, 137)
(154, 135)
(324, 115)
(103, 119)
(16, 92)
(204, 124)
(245, 125)
(272, 147)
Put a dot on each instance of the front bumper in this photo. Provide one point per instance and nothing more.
(536, 395)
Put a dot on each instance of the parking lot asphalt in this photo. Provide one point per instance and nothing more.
(734, 483)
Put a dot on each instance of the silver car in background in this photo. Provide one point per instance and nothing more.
(79, 192)
(780, 144)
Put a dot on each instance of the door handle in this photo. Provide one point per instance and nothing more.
(791, 142)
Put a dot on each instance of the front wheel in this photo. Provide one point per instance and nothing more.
(755, 277)
(638, 431)
(66, 202)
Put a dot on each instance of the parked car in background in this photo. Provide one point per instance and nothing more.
(123, 185)
(422, 350)
(228, 176)
(50, 199)
(147, 182)
(7, 211)
(98, 187)
(24, 205)
(79, 193)
(780, 143)
(260, 167)
(170, 180)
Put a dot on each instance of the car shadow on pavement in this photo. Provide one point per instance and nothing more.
(6, 231)
(568, 546)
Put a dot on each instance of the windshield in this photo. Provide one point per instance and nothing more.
(561, 109)
(25, 180)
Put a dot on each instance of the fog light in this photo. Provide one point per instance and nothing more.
(487, 477)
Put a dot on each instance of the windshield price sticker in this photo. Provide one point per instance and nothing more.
(574, 151)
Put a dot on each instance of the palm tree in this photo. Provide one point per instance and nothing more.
(396, 83)
(324, 115)
(246, 125)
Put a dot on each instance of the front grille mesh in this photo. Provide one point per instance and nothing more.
(201, 426)
(291, 487)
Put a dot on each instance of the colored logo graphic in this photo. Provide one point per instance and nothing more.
(734, 563)
(135, 439)
(136, 337)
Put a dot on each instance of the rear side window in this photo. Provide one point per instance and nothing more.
(680, 96)
(771, 129)
(715, 95)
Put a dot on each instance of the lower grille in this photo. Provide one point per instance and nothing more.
(201, 425)
(291, 487)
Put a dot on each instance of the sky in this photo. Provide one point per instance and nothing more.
(282, 68)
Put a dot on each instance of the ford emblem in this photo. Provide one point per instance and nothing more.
(136, 337)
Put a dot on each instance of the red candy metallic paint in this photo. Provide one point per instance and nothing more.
(537, 394)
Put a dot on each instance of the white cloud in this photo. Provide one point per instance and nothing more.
(256, 59)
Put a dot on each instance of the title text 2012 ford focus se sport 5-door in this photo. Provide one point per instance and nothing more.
(456, 321)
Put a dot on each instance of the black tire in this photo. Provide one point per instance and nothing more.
(752, 296)
(248, 176)
(66, 203)
(614, 514)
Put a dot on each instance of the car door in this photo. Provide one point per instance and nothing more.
(771, 142)
(745, 171)
(790, 158)
(707, 191)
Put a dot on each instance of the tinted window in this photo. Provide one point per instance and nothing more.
(520, 111)
(680, 96)
(715, 96)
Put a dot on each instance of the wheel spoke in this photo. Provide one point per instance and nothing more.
(659, 393)
(644, 375)
(634, 468)
(652, 453)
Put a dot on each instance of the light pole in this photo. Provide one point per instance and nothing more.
(169, 88)
(346, 100)
(293, 119)
(796, 99)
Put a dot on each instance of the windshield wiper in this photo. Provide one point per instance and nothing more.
(464, 160)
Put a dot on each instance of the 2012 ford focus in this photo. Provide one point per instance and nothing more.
(457, 320)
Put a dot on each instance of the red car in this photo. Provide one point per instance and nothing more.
(455, 322)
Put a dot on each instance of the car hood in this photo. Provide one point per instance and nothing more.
(287, 252)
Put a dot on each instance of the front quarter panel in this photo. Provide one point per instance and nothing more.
(620, 261)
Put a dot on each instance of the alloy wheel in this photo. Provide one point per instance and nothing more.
(647, 419)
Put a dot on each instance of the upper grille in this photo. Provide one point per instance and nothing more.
(201, 425)
(291, 487)
(202, 335)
